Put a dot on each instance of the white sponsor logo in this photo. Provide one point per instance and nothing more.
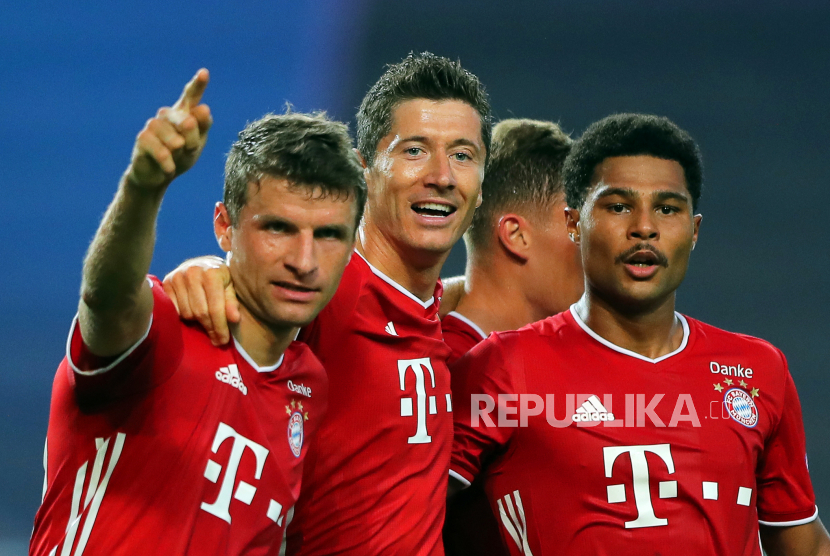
(730, 370)
(641, 484)
(244, 492)
(592, 410)
(300, 389)
(422, 402)
(230, 375)
(390, 329)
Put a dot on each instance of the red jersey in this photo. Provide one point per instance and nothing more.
(176, 447)
(461, 334)
(603, 451)
(470, 527)
(378, 483)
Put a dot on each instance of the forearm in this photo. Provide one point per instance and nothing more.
(116, 301)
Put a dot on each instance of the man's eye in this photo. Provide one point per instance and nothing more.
(278, 227)
(328, 234)
(462, 157)
(618, 208)
(667, 209)
(413, 151)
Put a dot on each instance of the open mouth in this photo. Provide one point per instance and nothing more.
(433, 210)
(643, 259)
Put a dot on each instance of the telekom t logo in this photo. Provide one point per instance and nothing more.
(244, 492)
(639, 475)
(418, 365)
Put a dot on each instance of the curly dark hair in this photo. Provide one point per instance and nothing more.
(524, 173)
(417, 76)
(630, 135)
(308, 150)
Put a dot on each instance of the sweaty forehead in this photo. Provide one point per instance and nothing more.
(436, 120)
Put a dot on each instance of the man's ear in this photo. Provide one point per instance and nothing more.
(698, 219)
(222, 227)
(572, 223)
(361, 159)
(514, 235)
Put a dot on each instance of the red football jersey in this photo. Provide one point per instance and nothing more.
(470, 527)
(176, 447)
(461, 334)
(602, 451)
(378, 482)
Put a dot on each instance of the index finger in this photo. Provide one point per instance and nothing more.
(193, 91)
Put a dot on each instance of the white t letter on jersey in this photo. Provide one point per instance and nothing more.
(417, 366)
(245, 492)
(639, 474)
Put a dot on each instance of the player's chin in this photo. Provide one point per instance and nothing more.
(436, 241)
(296, 314)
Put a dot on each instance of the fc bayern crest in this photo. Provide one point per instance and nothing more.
(295, 433)
(741, 407)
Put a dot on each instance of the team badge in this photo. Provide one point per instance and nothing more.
(295, 426)
(741, 407)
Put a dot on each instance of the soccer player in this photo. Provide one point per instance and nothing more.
(158, 441)
(380, 486)
(621, 426)
(521, 267)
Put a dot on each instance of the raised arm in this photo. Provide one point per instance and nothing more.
(116, 302)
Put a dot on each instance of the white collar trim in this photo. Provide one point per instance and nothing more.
(468, 322)
(630, 353)
(246, 357)
(395, 285)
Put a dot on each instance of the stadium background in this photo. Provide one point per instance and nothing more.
(749, 80)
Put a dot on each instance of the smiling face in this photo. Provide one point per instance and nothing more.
(287, 250)
(425, 181)
(636, 231)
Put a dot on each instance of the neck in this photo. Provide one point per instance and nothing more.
(495, 299)
(417, 271)
(651, 333)
(264, 343)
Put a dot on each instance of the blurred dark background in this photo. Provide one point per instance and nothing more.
(749, 80)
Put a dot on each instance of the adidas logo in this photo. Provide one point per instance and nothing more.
(390, 329)
(592, 410)
(230, 375)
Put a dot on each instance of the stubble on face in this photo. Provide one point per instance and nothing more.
(425, 181)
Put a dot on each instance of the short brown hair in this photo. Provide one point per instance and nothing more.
(417, 76)
(524, 173)
(306, 149)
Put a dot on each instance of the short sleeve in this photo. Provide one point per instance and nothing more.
(785, 493)
(149, 362)
(478, 380)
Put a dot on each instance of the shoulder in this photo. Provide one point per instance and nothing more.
(544, 332)
(718, 340)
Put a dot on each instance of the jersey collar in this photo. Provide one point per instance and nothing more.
(246, 357)
(469, 323)
(630, 353)
(388, 280)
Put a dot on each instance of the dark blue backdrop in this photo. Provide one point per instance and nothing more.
(748, 80)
